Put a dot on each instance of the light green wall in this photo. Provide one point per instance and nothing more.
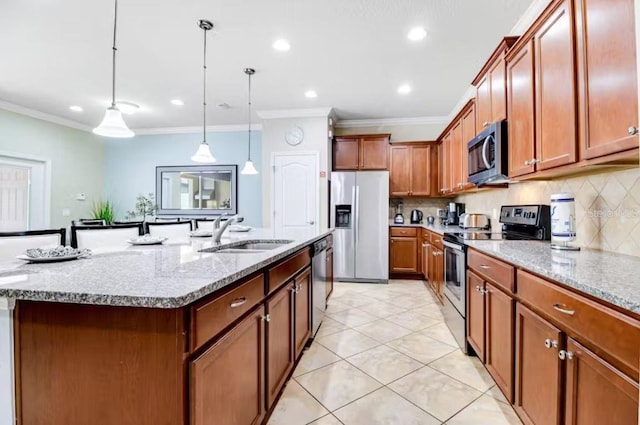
(76, 161)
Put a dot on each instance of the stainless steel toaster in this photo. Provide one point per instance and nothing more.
(474, 221)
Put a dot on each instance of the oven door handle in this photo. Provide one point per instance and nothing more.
(484, 151)
(452, 246)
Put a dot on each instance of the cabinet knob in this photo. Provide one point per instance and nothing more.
(550, 343)
(633, 130)
(486, 124)
(266, 318)
(478, 288)
(565, 355)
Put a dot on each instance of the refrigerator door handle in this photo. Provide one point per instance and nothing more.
(356, 214)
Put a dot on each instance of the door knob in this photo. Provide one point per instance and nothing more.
(311, 222)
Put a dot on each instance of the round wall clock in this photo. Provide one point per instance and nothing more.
(294, 136)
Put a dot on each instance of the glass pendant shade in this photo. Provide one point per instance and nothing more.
(249, 169)
(113, 125)
(203, 154)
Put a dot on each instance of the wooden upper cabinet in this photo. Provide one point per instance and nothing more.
(445, 165)
(361, 152)
(521, 110)
(490, 83)
(456, 157)
(400, 173)
(468, 133)
(421, 171)
(607, 79)
(555, 100)
(413, 169)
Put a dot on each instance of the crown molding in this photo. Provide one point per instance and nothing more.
(391, 121)
(469, 94)
(529, 16)
(12, 107)
(295, 113)
(193, 130)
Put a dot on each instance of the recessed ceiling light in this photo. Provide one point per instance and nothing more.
(127, 108)
(417, 34)
(281, 45)
(76, 108)
(177, 102)
(311, 94)
(404, 89)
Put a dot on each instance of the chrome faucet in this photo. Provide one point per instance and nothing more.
(216, 223)
(218, 234)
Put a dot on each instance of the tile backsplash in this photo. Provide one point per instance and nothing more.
(428, 206)
(607, 207)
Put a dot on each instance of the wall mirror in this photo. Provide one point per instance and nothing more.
(197, 190)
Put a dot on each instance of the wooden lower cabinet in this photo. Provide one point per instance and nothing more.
(403, 255)
(499, 333)
(329, 272)
(227, 380)
(476, 314)
(302, 310)
(427, 273)
(280, 347)
(596, 393)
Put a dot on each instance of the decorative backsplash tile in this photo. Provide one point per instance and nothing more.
(607, 207)
(428, 206)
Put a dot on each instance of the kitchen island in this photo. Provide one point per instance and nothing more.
(168, 334)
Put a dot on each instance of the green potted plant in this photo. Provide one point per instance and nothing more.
(103, 210)
(145, 207)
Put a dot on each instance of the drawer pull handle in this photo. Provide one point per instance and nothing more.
(561, 309)
(238, 302)
(549, 343)
(565, 355)
(484, 266)
(266, 318)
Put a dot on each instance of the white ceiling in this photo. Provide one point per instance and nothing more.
(354, 53)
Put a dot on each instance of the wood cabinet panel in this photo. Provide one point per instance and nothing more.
(404, 231)
(422, 178)
(521, 110)
(212, 316)
(606, 47)
(613, 335)
(468, 133)
(445, 165)
(496, 271)
(498, 82)
(374, 153)
(280, 349)
(556, 131)
(426, 266)
(483, 103)
(538, 369)
(400, 171)
(457, 180)
(288, 268)
(596, 393)
(227, 380)
(476, 314)
(346, 154)
(329, 272)
(404, 254)
(499, 328)
(302, 328)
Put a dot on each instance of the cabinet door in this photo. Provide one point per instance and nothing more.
(439, 265)
(468, 133)
(499, 326)
(374, 153)
(426, 266)
(404, 253)
(329, 272)
(538, 383)
(421, 172)
(521, 128)
(302, 310)
(483, 103)
(441, 167)
(346, 153)
(596, 392)
(456, 157)
(476, 314)
(279, 340)
(237, 360)
(606, 47)
(445, 168)
(556, 131)
(400, 171)
(498, 90)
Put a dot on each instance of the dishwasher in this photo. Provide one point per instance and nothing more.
(318, 284)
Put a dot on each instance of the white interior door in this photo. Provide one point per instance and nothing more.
(14, 198)
(295, 194)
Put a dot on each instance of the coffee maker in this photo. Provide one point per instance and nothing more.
(454, 210)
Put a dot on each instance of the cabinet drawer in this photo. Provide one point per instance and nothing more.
(210, 317)
(288, 268)
(404, 231)
(436, 240)
(426, 235)
(611, 333)
(502, 274)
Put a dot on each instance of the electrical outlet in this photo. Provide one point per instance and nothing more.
(81, 197)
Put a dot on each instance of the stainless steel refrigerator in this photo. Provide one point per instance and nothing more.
(360, 216)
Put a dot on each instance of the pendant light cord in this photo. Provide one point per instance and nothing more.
(114, 49)
(249, 116)
(204, 93)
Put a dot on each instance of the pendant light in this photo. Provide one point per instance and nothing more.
(249, 169)
(204, 153)
(112, 124)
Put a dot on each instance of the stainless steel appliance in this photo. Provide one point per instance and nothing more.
(454, 211)
(474, 221)
(442, 215)
(318, 284)
(399, 218)
(525, 222)
(416, 217)
(360, 214)
(487, 157)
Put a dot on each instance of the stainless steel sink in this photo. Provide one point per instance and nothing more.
(248, 247)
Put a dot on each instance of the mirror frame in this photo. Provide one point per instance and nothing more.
(198, 168)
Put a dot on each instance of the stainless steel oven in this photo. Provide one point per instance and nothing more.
(455, 290)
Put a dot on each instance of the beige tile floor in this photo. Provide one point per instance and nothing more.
(383, 356)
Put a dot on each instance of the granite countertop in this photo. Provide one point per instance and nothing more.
(163, 276)
(608, 276)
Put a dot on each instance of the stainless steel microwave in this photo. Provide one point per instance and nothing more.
(488, 161)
